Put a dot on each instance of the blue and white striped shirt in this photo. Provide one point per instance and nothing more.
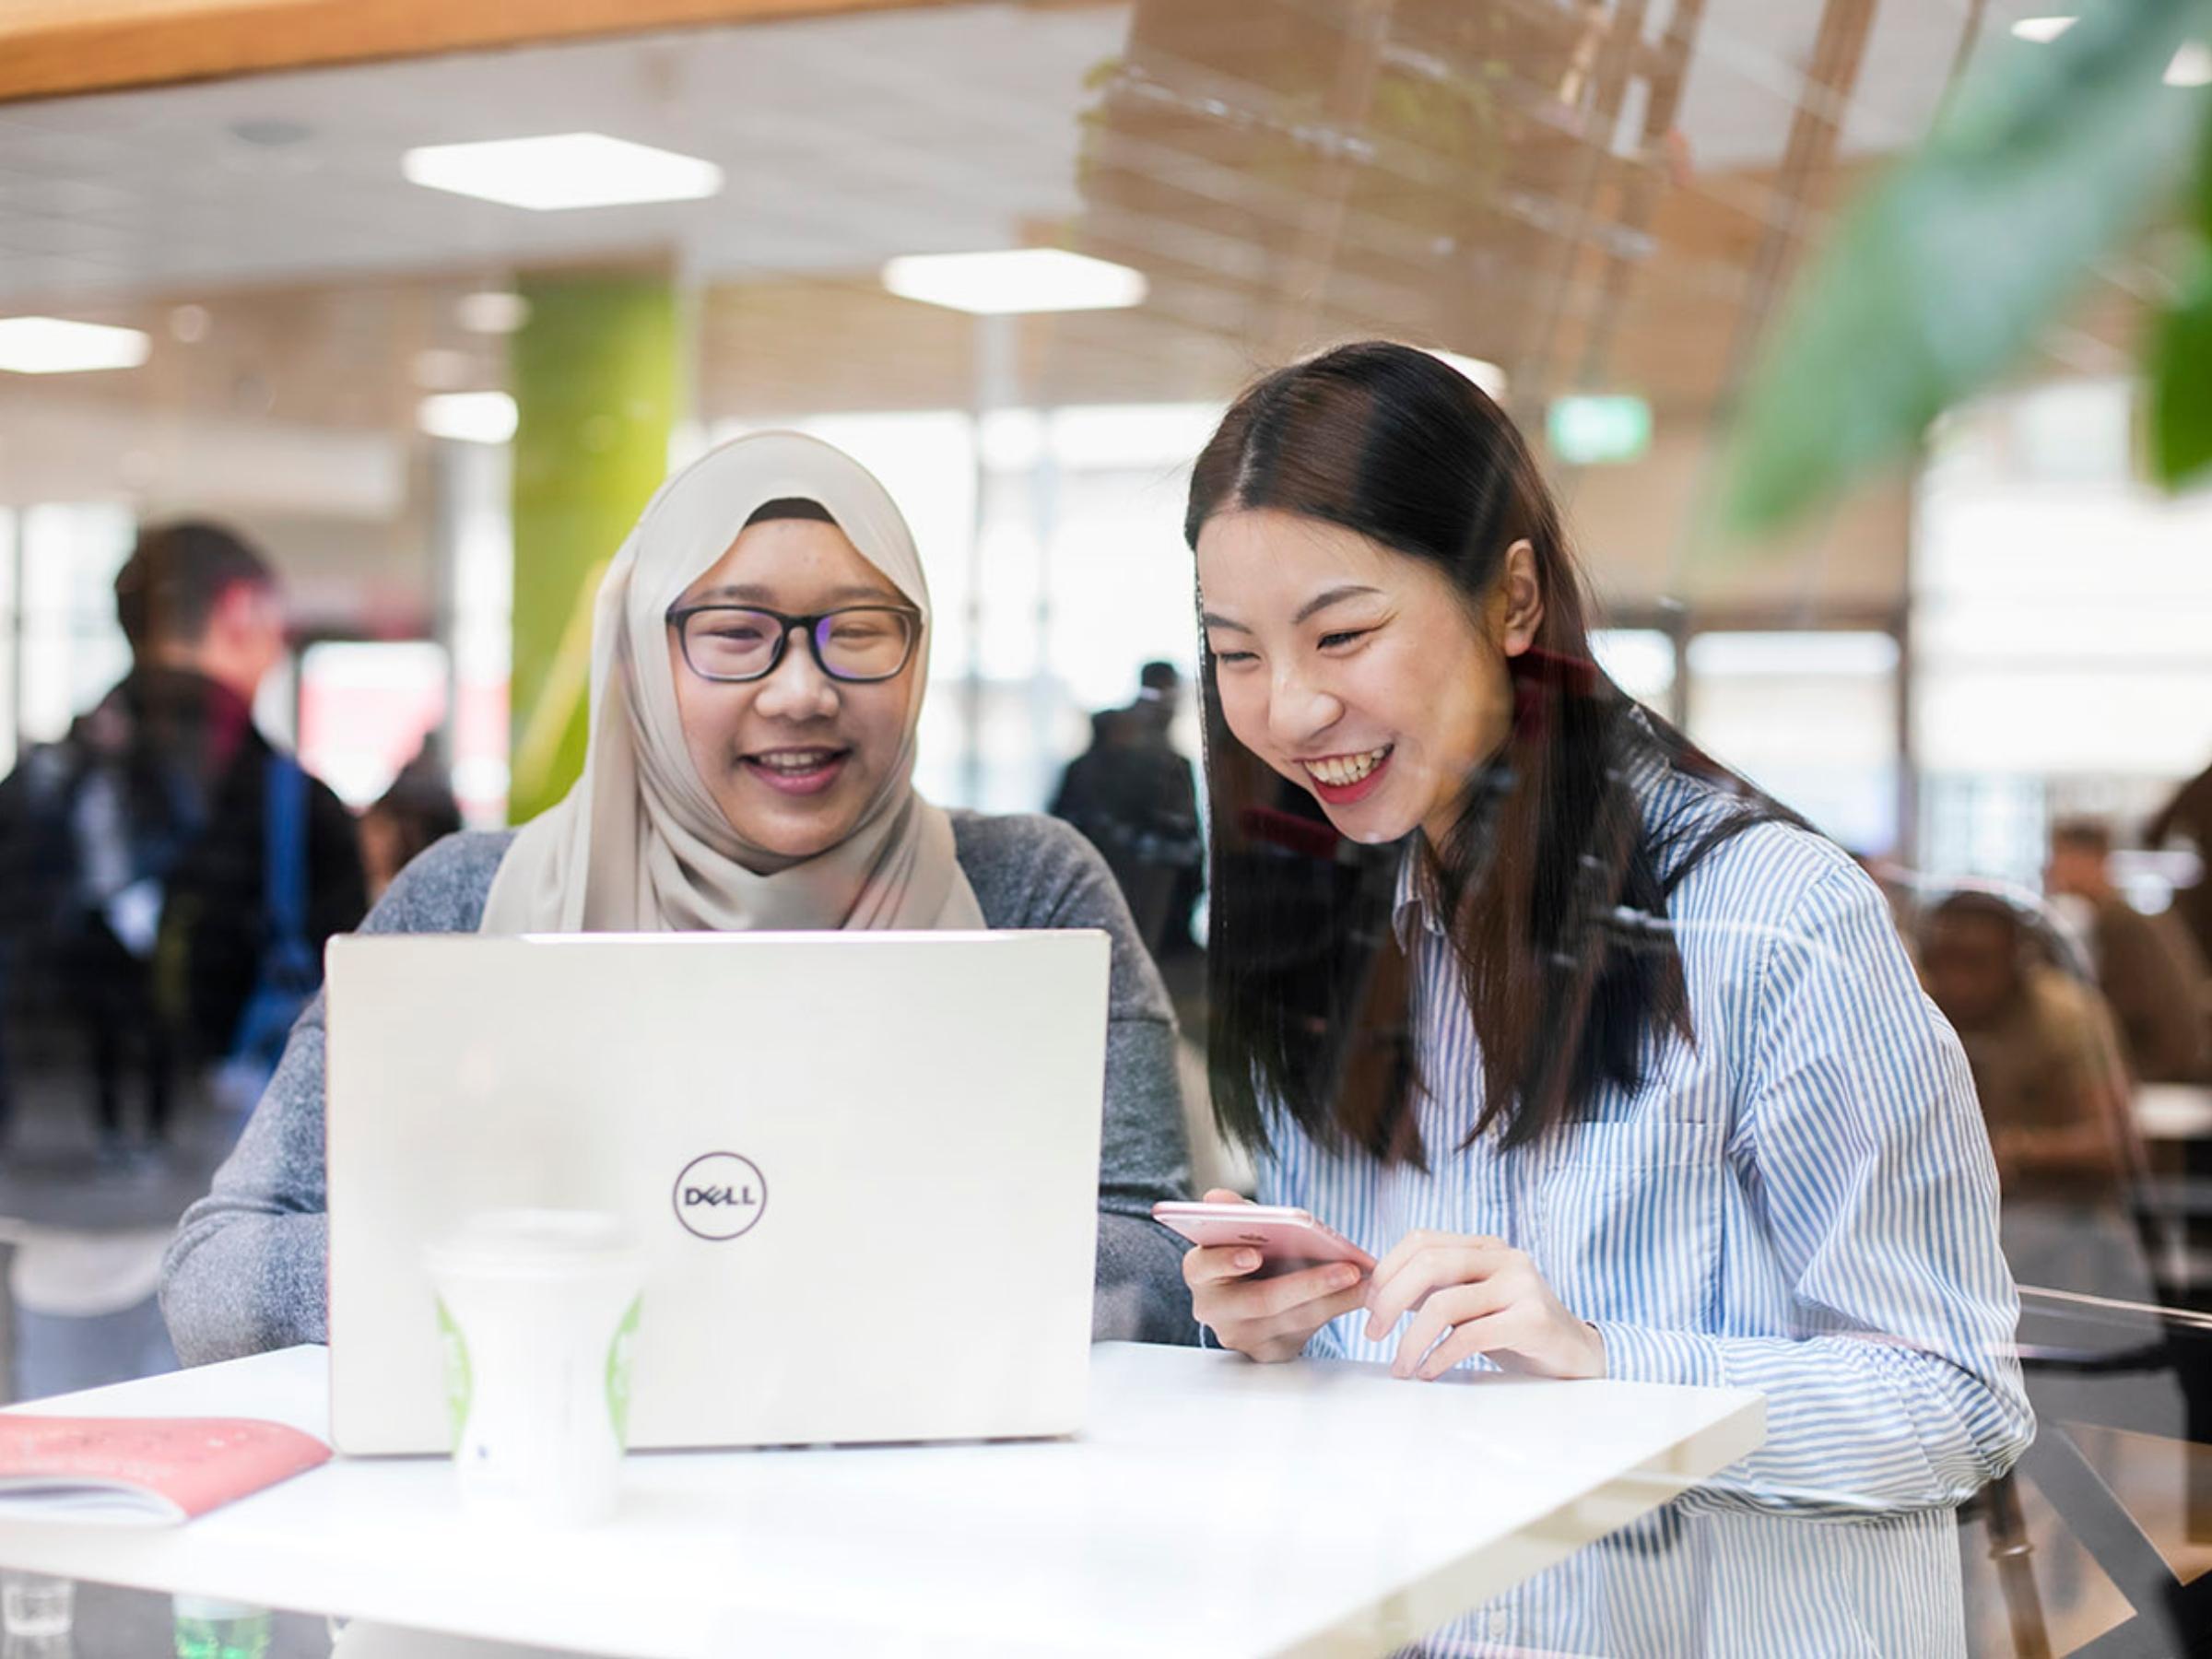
(1801, 1202)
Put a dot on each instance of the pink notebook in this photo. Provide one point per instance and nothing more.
(142, 1471)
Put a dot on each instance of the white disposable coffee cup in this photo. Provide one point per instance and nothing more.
(538, 1312)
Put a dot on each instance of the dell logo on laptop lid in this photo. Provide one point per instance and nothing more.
(720, 1195)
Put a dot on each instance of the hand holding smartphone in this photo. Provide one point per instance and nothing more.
(1287, 1239)
(1264, 1277)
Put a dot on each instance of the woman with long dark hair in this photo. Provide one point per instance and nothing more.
(1617, 1067)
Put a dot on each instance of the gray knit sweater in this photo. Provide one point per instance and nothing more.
(246, 1269)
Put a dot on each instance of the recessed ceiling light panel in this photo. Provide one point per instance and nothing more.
(1014, 280)
(2042, 31)
(1481, 371)
(468, 416)
(562, 171)
(55, 345)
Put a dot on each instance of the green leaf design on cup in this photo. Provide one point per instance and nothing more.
(460, 1381)
(617, 1373)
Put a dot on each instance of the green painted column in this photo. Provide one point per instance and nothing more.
(595, 374)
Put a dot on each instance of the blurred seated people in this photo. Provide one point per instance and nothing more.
(136, 853)
(411, 818)
(1135, 799)
(759, 660)
(2149, 969)
(2053, 1093)
(2189, 814)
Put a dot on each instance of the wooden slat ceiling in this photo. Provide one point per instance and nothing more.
(53, 48)
(1482, 190)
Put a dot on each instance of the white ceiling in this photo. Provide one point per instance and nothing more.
(844, 140)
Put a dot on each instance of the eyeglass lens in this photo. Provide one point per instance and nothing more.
(729, 644)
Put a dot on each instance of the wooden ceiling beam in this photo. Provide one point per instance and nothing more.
(53, 48)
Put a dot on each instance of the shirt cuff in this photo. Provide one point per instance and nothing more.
(1640, 1354)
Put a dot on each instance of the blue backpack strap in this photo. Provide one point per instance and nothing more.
(284, 871)
(288, 970)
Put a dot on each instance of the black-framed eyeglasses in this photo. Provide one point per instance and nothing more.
(734, 642)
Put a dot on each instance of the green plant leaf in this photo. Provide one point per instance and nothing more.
(2178, 351)
(2203, 169)
(1938, 279)
(2180, 386)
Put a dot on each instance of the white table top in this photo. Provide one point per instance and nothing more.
(1214, 1506)
(2173, 1111)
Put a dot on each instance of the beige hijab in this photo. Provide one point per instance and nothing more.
(638, 845)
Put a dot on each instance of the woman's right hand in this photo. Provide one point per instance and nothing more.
(1267, 1319)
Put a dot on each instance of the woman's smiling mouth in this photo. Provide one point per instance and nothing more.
(798, 771)
(1339, 780)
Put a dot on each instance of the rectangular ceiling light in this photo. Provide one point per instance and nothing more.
(468, 416)
(563, 170)
(1018, 280)
(53, 345)
(1481, 371)
(2042, 31)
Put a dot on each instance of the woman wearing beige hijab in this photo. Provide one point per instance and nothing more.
(760, 656)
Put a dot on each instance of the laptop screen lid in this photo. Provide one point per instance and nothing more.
(864, 1167)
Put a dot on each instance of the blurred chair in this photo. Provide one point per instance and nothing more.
(2080, 1353)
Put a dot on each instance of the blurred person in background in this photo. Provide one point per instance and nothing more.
(2189, 814)
(2153, 977)
(407, 819)
(1134, 797)
(145, 926)
(137, 852)
(2053, 1091)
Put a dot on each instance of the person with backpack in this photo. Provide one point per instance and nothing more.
(167, 876)
(1134, 797)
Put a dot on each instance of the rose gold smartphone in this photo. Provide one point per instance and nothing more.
(1287, 1239)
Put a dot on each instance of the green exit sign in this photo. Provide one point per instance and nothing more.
(1590, 431)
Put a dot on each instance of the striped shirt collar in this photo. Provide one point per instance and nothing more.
(1410, 899)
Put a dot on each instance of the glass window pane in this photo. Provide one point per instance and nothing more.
(1811, 717)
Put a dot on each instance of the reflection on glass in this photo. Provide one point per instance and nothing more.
(1594, 209)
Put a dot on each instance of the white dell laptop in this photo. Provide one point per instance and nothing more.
(864, 1168)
